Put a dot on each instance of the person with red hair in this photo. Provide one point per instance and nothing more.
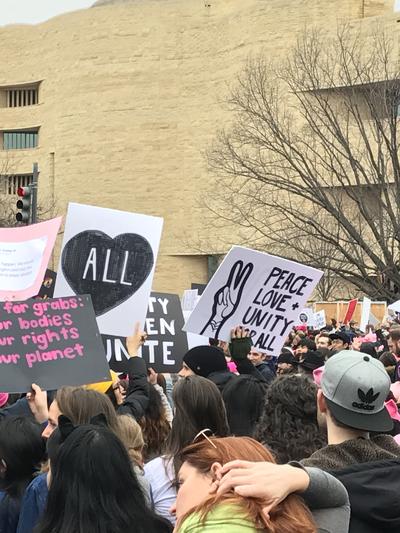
(201, 506)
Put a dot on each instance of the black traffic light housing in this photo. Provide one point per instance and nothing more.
(24, 204)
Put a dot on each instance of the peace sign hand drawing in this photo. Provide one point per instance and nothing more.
(227, 298)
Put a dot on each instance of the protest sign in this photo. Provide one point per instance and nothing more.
(320, 319)
(258, 291)
(365, 312)
(48, 284)
(190, 299)
(115, 268)
(51, 342)
(193, 339)
(200, 287)
(306, 316)
(395, 307)
(351, 307)
(166, 342)
(24, 255)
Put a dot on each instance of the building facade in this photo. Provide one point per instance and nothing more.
(118, 104)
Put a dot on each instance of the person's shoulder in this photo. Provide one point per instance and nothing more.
(387, 443)
(36, 493)
(159, 472)
(157, 465)
(38, 483)
(264, 368)
(222, 517)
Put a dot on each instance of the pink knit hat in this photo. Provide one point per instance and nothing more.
(391, 406)
(395, 388)
(232, 367)
(317, 375)
(3, 398)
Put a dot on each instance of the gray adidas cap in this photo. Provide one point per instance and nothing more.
(355, 386)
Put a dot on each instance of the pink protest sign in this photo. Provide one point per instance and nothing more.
(24, 255)
(53, 342)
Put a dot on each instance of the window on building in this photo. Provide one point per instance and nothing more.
(20, 140)
(11, 182)
(22, 97)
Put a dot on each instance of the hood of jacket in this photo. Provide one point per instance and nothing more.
(354, 451)
(221, 378)
(374, 494)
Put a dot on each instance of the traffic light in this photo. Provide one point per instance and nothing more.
(24, 204)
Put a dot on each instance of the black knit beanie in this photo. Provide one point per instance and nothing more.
(204, 360)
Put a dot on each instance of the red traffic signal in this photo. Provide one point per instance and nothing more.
(24, 205)
(24, 191)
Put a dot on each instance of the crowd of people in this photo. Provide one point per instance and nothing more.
(239, 441)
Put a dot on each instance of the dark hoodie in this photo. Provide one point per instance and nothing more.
(374, 494)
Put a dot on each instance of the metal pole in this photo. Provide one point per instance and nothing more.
(34, 193)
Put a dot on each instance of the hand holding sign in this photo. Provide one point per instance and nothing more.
(152, 376)
(37, 401)
(135, 341)
(227, 298)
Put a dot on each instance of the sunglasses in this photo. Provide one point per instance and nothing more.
(203, 435)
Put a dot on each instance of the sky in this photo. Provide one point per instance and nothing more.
(34, 11)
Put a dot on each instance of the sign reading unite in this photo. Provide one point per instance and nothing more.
(166, 343)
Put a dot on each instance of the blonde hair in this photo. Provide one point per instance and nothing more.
(131, 436)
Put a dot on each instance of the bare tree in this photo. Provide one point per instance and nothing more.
(309, 168)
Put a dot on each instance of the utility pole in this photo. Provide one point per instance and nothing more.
(34, 192)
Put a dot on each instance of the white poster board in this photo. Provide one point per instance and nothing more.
(305, 317)
(24, 254)
(365, 312)
(320, 319)
(395, 307)
(192, 338)
(258, 291)
(110, 255)
(190, 299)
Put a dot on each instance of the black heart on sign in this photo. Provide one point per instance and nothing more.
(110, 270)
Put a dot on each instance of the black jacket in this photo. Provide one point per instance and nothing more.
(266, 372)
(19, 408)
(374, 492)
(221, 378)
(137, 396)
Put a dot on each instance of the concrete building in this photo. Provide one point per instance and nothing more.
(118, 103)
